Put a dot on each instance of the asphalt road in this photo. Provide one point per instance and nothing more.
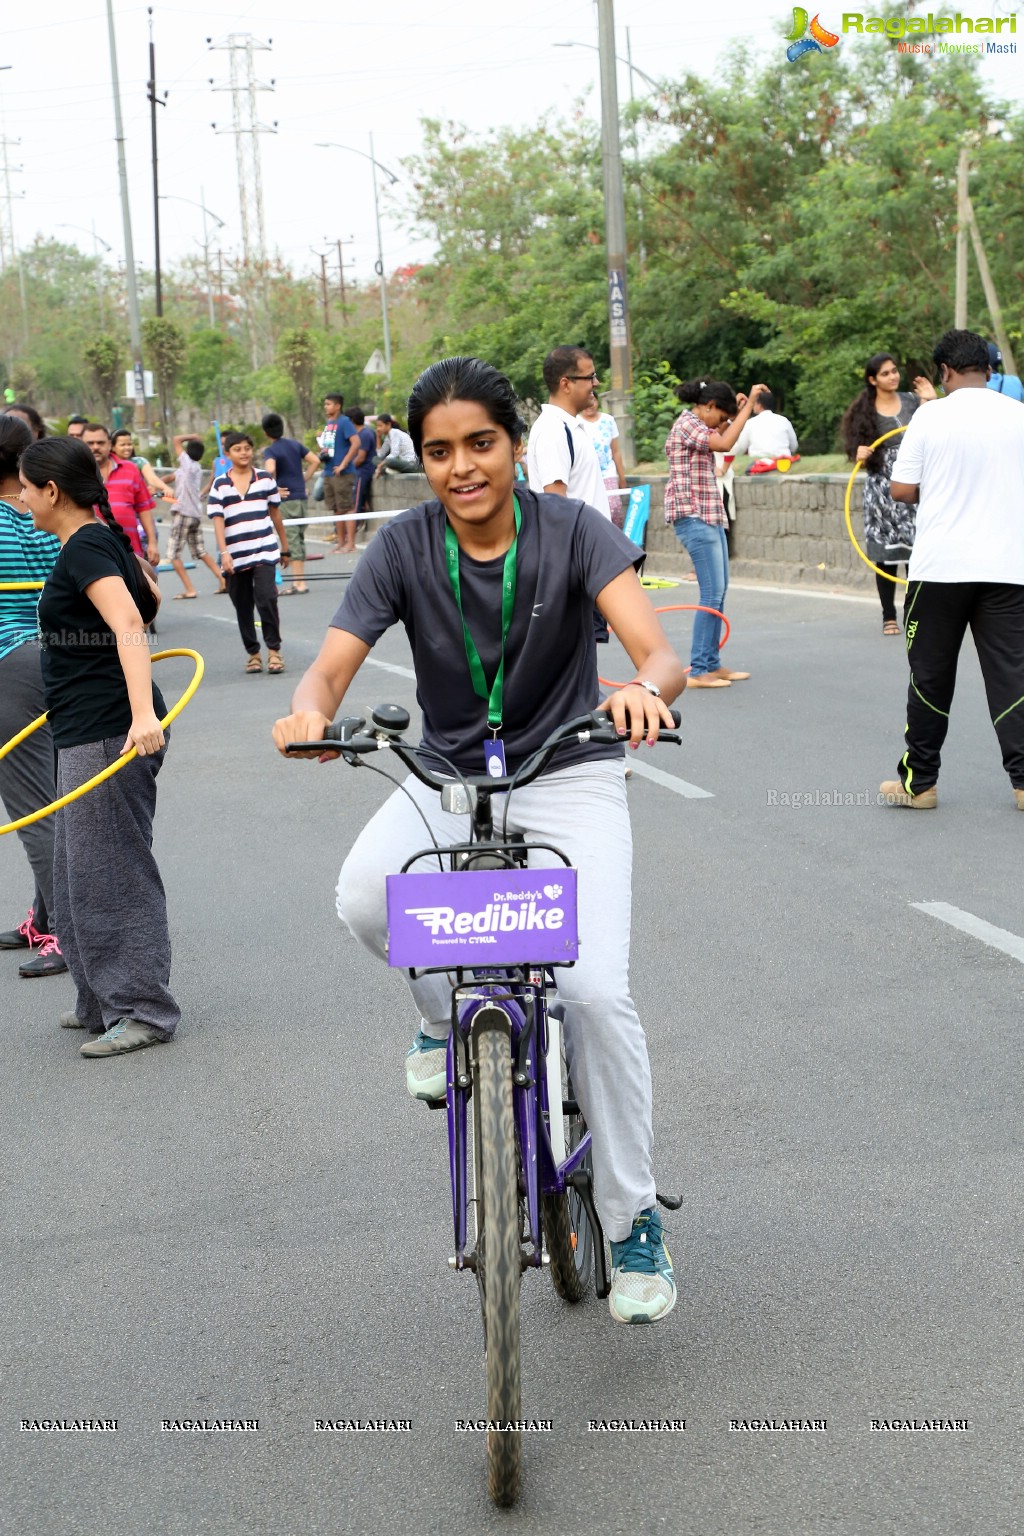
(251, 1222)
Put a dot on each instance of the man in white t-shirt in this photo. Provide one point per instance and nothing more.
(560, 456)
(767, 435)
(962, 460)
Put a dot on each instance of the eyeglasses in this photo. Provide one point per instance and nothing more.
(589, 378)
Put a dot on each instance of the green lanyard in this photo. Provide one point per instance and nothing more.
(508, 600)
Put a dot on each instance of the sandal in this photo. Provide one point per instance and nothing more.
(286, 592)
(274, 662)
(254, 664)
(890, 627)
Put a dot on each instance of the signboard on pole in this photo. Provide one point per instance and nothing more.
(139, 385)
(617, 306)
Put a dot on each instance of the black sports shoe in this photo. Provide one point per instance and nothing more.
(23, 937)
(48, 962)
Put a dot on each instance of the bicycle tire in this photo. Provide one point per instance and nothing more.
(567, 1234)
(499, 1266)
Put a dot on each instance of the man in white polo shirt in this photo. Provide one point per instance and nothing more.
(962, 460)
(767, 435)
(560, 456)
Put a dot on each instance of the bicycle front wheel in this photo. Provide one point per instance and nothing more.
(499, 1267)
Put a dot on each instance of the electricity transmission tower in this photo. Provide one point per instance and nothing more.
(246, 127)
(8, 249)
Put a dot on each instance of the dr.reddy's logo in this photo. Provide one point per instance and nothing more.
(806, 38)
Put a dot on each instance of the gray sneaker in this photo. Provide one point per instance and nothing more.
(125, 1035)
(70, 1021)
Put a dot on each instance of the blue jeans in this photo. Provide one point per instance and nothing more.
(707, 548)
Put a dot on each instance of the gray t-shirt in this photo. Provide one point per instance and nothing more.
(567, 554)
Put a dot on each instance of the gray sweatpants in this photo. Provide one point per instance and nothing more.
(26, 774)
(110, 910)
(582, 810)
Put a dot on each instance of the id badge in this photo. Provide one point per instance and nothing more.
(494, 758)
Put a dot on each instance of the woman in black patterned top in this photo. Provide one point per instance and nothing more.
(888, 525)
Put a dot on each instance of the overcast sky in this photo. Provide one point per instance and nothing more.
(336, 78)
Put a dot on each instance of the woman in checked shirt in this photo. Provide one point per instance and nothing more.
(693, 505)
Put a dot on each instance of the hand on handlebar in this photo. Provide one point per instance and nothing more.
(307, 725)
(636, 713)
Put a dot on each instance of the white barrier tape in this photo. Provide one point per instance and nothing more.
(341, 517)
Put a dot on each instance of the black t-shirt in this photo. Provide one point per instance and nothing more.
(289, 457)
(567, 554)
(86, 694)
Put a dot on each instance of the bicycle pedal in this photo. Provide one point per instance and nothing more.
(670, 1202)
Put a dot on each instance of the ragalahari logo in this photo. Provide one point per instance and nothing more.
(804, 38)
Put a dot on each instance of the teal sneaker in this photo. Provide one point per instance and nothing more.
(643, 1289)
(426, 1068)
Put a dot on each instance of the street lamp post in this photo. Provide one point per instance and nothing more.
(620, 396)
(220, 223)
(392, 179)
(134, 319)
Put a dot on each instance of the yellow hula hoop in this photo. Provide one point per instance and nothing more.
(22, 586)
(75, 794)
(846, 508)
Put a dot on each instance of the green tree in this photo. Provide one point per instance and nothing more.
(213, 376)
(105, 360)
(296, 355)
(166, 346)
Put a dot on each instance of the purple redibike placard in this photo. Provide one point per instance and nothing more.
(482, 917)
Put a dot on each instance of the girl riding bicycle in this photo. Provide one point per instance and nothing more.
(496, 587)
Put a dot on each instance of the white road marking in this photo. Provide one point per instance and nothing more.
(988, 933)
(669, 780)
(389, 666)
(642, 770)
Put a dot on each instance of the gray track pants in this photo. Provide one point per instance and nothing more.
(582, 810)
(26, 774)
(110, 910)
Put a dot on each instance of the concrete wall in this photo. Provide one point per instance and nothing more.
(788, 528)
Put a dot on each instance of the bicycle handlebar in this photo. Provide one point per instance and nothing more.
(349, 738)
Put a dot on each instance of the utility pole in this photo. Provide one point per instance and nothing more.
(154, 102)
(620, 396)
(322, 256)
(962, 217)
(134, 322)
(341, 276)
(247, 128)
(380, 266)
(8, 244)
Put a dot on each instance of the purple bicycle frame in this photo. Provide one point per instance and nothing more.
(516, 996)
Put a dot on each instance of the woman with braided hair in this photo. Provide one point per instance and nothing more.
(109, 907)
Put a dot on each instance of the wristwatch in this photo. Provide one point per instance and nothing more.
(640, 682)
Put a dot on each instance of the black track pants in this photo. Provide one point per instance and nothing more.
(938, 614)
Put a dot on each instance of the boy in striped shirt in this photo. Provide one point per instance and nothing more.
(245, 507)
